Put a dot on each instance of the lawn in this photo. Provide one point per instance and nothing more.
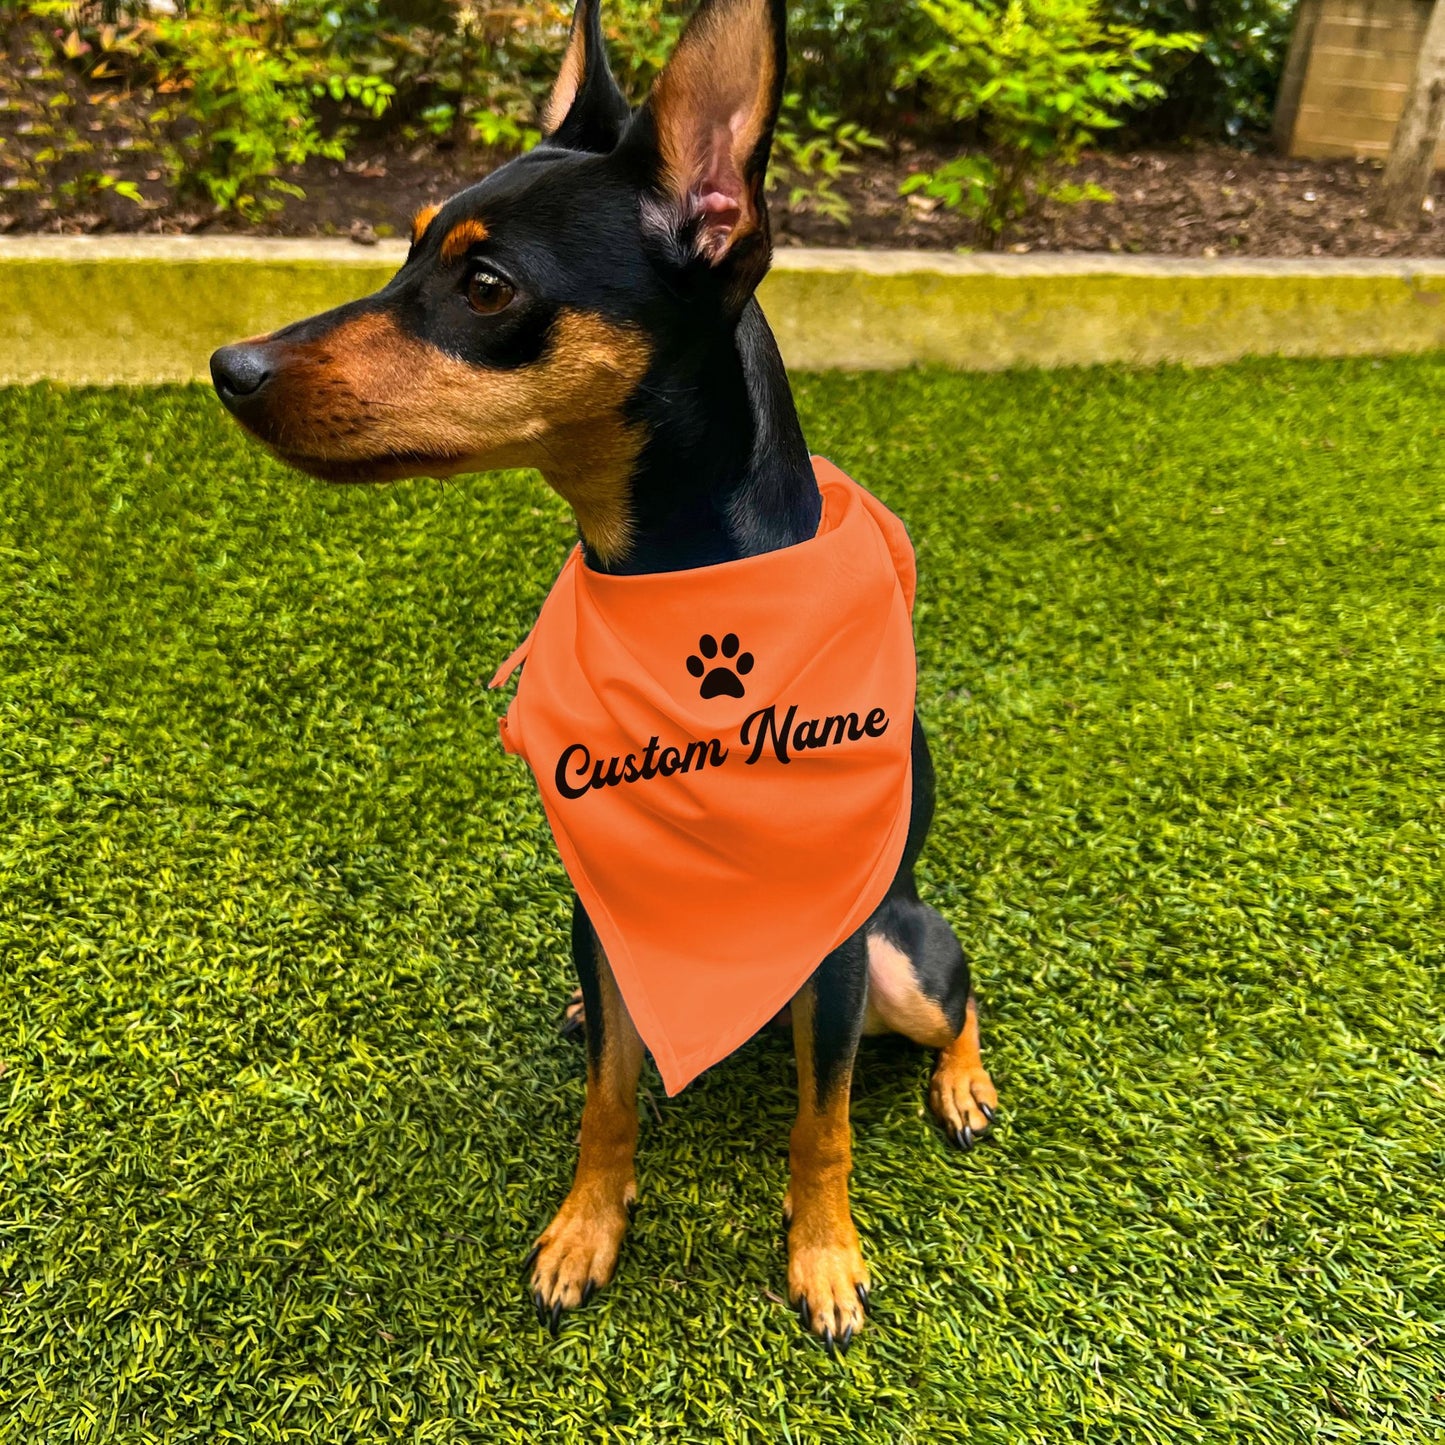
(282, 946)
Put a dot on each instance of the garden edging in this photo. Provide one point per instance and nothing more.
(151, 309)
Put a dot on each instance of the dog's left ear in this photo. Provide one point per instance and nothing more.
(586, 110)
(707, 129)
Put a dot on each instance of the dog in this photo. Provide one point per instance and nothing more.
(588, 310)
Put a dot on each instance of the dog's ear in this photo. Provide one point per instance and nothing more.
(586, 111)
(707, 127)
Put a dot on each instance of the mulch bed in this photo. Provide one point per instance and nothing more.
(1201, 201)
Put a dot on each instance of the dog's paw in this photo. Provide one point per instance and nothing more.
(963, 1100)
(577, 1253)
(828, 1286)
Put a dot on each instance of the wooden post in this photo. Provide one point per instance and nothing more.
(1412, 151)
(1296, 66)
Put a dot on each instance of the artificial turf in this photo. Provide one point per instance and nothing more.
(282, 934)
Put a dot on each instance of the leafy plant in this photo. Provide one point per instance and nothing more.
(499, 129)
(811, 150)
(1036, 80)
(845, 55)
(1227, 88)
(48, 68)
(245, 94)
(641, 35)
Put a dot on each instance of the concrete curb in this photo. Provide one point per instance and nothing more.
(150, 309)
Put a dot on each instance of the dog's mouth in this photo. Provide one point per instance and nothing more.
(361, 471)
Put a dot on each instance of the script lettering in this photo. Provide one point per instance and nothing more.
(767, 721)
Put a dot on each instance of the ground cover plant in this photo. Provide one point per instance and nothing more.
(282, 946)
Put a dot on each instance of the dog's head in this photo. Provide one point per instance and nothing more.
(532, 305)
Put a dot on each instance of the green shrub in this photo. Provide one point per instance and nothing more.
(845, 55)
(640, 37)
(1228, 87)
(47, 69)
(1035, 81)
(811, 150)
(245, 96)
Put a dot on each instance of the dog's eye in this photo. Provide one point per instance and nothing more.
(488, 294)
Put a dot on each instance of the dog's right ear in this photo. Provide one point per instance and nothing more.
(703, 137)
(586, 111)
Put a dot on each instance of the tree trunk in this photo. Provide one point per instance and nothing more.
(1412, 152)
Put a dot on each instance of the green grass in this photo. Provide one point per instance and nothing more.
(283, 942)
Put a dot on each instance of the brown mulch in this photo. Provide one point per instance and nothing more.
(1206, 200)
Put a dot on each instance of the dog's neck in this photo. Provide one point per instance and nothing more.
(725, 472)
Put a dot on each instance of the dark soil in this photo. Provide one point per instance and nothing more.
(1199, 201)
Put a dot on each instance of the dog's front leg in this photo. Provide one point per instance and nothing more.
(827, 1279)
(577, 1252)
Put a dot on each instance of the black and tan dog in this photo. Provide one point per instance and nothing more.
(588, 310)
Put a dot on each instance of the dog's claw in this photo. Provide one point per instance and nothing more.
(531, 1258)
(861, 1290)
(555, 1318)
(845, 1340)
(968, 1136)
(540, 1305)
(804, 1313)
(587, 1290)
(989, 1114)
(828, 1341)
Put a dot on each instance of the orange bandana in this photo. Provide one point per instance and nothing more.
(725, 755)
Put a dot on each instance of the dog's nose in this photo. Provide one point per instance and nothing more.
(239, 372)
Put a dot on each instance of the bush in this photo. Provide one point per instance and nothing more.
(475, 72)
(1034, 81)
(845, 56)
(811, 150)
(228, 95)
(1228, 87)
(244, 97)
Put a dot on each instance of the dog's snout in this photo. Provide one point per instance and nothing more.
(239, 372)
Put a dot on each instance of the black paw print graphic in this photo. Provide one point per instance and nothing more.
(725, 679)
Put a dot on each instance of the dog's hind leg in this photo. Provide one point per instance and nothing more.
(919, 986)
(827, 1279)
(577, 1252)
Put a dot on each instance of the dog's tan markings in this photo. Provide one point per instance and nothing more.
(369, 402)
(827, 1279)
(462, 237)
(962, 1095)
(570, 76)
(711, 104)
(421, 221)
(577, 1252)
(896, 1004)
